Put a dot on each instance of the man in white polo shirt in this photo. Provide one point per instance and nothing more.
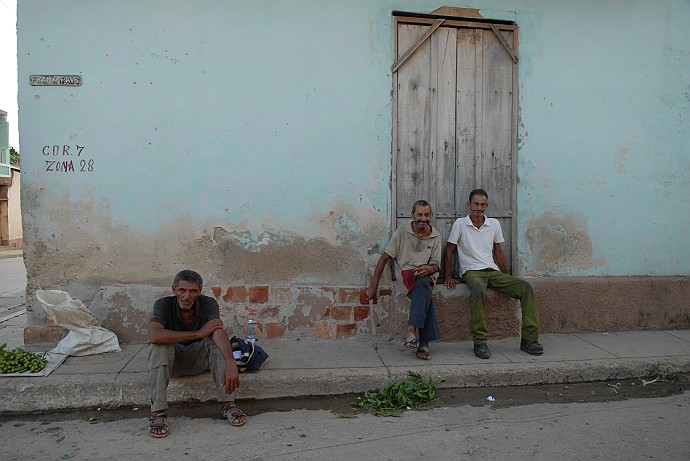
(478, 239)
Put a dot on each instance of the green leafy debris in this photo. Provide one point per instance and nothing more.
(414, 392)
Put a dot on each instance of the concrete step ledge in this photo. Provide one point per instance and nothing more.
(58, 392)
(320, 368)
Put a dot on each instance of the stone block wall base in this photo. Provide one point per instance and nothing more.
(453, 313)
(575, 305)
(599, 304)
(566, 304)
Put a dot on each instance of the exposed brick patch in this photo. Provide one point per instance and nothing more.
(217, 292)
(323, 330)
(258, 330)
(270, 311)
(275, 330)
(361, 313)
(386, 292)
(346, 330)
(341, 312)
(52, 334)
(315, 296)
(327, 314)
(331, 290)
(348, 295)
(247, 312)
(280, 295)
(258, 294)
(236, 294)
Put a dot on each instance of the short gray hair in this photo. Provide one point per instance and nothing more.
(421, 203)
(188, 276)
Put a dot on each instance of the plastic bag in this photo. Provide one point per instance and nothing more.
(86, 336)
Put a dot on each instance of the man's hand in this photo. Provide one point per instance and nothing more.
(424, 270)
(450, 282)
(231, 377)
(210, 327)
(370, 293)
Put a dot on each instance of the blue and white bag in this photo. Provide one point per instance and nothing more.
(249, 356)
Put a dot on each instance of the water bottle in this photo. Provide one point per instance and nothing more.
(250, 332)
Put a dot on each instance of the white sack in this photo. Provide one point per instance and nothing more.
(86, 336)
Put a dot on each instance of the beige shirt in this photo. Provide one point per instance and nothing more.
(410, 251)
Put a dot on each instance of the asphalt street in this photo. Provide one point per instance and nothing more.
(636, 429)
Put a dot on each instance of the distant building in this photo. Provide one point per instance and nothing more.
(10, 198)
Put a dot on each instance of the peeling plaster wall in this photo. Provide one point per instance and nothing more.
(603, 161)
(244, 141)
(251, 141)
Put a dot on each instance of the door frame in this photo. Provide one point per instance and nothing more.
(434, 22)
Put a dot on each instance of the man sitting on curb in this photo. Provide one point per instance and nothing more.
(478, 240)
(416, 249)
(186, 337)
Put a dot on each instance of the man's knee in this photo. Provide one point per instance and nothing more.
(526, 288)
(476, 288)
(161, 355)
(424, 283)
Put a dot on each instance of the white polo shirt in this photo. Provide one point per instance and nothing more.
(475, 246)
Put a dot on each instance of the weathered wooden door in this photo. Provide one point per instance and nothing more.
(455, 118)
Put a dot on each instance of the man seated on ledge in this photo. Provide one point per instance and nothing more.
(416, 249)
(186, 337)
(478, 239)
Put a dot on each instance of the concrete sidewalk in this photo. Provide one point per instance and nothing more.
(305, 367)
(9, 253)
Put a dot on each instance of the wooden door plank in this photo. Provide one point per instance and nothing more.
(443, 119)
(401, 60)
(466, 110)
(496, 169)
(512, 52)
(443, 94)
(479, 107)
(413, 123)
(514, 147)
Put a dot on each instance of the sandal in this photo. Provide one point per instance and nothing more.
(423, 353)
(411, 342)
(161, 426)
(236, 418)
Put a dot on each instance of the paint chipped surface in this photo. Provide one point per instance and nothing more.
(559, 243)
(621, 158)
(78, 246)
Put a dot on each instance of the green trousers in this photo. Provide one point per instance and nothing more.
(478, 281)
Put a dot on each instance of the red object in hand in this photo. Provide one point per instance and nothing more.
(409, 279)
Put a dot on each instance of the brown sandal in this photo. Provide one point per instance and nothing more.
(236, 418)
(423, 353)
(411, 342)
(162, 426)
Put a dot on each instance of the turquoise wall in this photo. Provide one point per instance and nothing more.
(256, 108)
(268, 123)
(605, 106)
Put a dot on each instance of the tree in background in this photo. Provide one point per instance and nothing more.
(14, 156)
